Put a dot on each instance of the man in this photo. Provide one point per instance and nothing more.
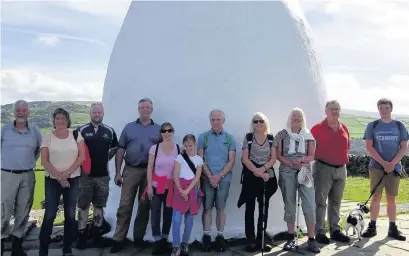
(136, 140)
(20, 149)
(331, 157)
(218, 149)
(387, 142)
(102, 144)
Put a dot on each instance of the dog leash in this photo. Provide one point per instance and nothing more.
(377, 185)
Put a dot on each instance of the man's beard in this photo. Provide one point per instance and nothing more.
(98, 121)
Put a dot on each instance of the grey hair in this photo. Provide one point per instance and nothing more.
(145, 100)
(18, 103)
(333, 102)
(215, 111)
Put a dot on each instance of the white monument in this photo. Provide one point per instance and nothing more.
(191, 57)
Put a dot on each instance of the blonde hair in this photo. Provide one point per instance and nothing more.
(302, 114)
(259, 115)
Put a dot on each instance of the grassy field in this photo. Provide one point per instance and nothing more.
(357, 190)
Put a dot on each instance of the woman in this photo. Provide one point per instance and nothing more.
(187, 195)
(258, 178)
(295, 151)
(61, 156)
(160, 181)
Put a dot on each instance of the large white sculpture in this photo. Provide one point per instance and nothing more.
(191, 57)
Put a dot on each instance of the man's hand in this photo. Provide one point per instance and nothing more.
(389, 167)
(118, 180)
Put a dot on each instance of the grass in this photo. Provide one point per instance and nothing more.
(357, 190)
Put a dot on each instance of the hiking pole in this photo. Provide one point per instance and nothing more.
(297, 247)
(264, 219)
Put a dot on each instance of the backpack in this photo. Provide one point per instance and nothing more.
(86, 164)
(249, 137)
(206, 139)
(156, 153)
(376, 122)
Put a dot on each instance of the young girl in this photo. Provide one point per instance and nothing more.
(187, 195)
(160, 184)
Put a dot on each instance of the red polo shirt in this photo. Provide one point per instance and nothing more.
(332, 146)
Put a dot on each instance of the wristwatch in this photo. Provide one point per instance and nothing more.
(221, 175)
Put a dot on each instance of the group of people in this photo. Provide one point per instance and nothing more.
(183, 179)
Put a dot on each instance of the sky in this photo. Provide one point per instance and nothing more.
(60, 50)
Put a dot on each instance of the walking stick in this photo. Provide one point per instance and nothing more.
(264, 219)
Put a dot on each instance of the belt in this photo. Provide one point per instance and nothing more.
(331, 165)
(137, 165)
(16, 171)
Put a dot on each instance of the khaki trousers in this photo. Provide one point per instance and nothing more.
(134, 181)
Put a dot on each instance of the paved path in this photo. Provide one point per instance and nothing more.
(376, 246)
(347, 206)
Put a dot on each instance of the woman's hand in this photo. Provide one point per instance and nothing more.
(64, 183)
(63, 176)
(265, 177)
(150, 192)
(184, 193)
(259, 171)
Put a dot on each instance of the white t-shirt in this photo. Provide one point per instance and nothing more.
(185, 172)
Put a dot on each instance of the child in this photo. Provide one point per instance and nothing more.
(187, 195)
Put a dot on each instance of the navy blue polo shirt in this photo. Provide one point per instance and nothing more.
(99, 143)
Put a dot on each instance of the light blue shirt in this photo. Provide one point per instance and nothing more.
(216, 154)
(20, 149)
(386, 141)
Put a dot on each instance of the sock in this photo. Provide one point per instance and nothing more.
(392, 224)
(220, 233)
(207, 233)
(311, 239)
(372, 223)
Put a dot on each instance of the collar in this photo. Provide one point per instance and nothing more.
(327, 125)
(27, 125)
(138, 121)
(217, 133)
(91, 124)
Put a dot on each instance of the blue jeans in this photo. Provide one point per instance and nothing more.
(53, 192)
(177, 223)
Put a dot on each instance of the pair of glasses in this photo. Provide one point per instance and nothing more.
(258, 121)
(167, 130)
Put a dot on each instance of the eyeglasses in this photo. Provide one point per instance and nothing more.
(167, 130)
(258, 121)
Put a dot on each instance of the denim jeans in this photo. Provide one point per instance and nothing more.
(53, 192)
(176, 224)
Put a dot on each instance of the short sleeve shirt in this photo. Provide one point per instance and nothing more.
(185, 172)
(259, 153)
(62, 153)
(164, 163)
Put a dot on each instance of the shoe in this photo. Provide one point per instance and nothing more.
(393, 232)
(259, 247)
(43, 250)
(251, 245)
(340, 237)
(322, 239)
(117, 246)
(140, 243)
(289, 245)
(184, 249)
(67, 252)
(206, 241)
(164, 246)
(220, 243)
(157, 248)
(82, 239)
(17, 247)
(370, 231)
(313, 246)
(175, 251)
(2, 247)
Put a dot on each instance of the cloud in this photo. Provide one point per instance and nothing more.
(350, 93)
(50, 40)
(32, 84)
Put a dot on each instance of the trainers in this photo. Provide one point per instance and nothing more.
(322, 239)
(339, 236)
(220, 243)
(370, 231)
(395, 233)
(175, 251)
(206, 240)
(117, 246)
(184, 249)
(289, 245)
(312, 246)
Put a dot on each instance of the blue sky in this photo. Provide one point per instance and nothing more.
(60, 50)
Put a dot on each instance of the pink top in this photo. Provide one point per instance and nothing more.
(164, 163)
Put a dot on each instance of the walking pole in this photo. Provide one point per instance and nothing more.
(297, 247)
(264, 219)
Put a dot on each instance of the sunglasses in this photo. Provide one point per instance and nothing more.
(258, 121)
(167, 130)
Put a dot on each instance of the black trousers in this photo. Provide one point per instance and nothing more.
(156, 206)
(249, 216)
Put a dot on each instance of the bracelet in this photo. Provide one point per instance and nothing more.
(265, 168)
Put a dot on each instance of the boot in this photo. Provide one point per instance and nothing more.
(17, 247)
(2, 246)
(82, 239)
